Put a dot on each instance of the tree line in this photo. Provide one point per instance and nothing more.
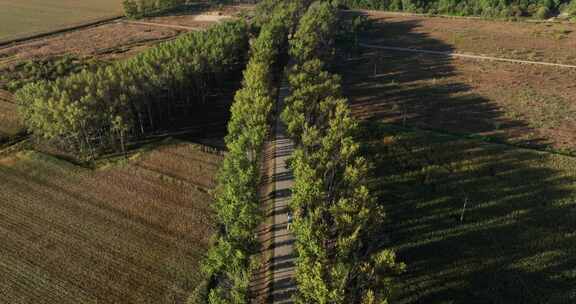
(488, 8)
(232, 257)
(141, 8)
(342, 254)
(103, 108)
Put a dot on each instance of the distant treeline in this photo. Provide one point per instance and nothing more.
(103, 108)
(487, 8)
(143, 8)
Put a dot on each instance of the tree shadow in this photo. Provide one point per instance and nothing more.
(423, 90)
(475, 221)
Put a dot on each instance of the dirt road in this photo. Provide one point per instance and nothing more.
(275, 281)
(453, 54)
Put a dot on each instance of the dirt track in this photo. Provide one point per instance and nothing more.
(452, 54)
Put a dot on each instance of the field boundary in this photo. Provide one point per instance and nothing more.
(70, 28)
(174, 26)
(460, 55)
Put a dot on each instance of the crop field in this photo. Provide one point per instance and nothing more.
(131, 233)
(479, 209)
(22, 17)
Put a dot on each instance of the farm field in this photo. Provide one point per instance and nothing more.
(477, 217)
(22, 17)
(132, 233)
(551, 42)
(527, 105)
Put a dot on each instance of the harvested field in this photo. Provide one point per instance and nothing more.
(551, 42)
(476, 222)
(129, 234)
(113, 40)
(23, 17)
(529, 105)
(108, 41)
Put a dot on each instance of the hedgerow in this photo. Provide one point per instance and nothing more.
(489, 8)
(233, 257)
(141, 8)
(341, 254)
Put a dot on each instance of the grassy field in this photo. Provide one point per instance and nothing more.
(21, 17)
(477, 217)
(476, 222)
(131, 233)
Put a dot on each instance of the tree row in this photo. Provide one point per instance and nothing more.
(103, 108)
(232, 257)
(142, 8)
(489, 8)
(342, 254)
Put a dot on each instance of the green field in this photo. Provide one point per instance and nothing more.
(22, 17)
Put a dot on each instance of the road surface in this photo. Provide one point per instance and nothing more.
(274, 283)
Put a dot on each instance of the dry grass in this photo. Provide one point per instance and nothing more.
(475, 221)
(10, 124)
(130, 234)
(21, 17)
(522, 104)
(518, 40)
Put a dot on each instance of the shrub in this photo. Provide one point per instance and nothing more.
(542, 13)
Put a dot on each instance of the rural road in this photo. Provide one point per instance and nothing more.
(282, 262)
(274, 282)
(453, 54)
(174, 26)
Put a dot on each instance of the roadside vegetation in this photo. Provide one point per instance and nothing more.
(233, 256)
(341, 248)
(540, 9)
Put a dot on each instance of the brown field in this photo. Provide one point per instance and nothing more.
(22, 17)
(551, 42)
(128, 234)
(113, 40)
(475, 221)
(110, 41)
(521, 104)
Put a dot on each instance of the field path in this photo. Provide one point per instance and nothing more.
(275, 282)
(460, 55)
(174, 26)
